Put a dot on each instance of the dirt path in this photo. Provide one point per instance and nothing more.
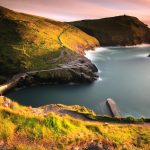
(59, 37)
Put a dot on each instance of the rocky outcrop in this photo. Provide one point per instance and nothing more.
(31, 43)
(3, 79)
(12, 83)
(75, 111)
(113, 108)
(52, 53)
(114, 31)
(80, 70)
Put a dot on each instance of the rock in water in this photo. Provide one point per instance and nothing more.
(113, 108)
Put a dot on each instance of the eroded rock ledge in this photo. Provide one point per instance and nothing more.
(79, 70)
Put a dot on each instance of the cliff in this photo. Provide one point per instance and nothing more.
(51, 51)
(116, 31)
(29, 43)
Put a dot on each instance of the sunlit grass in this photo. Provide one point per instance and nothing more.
(31, 43)
(19, 123)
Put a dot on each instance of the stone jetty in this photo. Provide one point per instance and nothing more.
(113, 108)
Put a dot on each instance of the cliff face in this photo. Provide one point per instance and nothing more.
(29, 43)
(114, 31)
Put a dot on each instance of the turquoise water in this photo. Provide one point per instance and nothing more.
(124, 76)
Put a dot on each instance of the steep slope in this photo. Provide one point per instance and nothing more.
(33, 43)
(120, 30)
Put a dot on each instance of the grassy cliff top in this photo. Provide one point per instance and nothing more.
(30, 43)
(119, 30)
(26, 128)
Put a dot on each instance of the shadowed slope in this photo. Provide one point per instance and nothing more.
(120, 30)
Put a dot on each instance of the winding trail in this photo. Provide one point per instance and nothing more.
(59, 36)
(16, 78)
(63, 50)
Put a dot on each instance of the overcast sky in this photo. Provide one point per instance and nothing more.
(68, 10)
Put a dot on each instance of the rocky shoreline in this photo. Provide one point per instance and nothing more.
(79, 70)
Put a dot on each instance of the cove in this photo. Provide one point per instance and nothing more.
(124, 76)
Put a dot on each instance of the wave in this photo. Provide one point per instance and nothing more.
(143, 55)
(89, 53)
(139, 45)
(101, 49)
(99, 79)
(131, 46)
(98, 49)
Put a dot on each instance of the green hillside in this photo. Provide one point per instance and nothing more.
(113, 31)
(31, 43)
(27, 128)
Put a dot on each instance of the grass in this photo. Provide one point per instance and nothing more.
(128, 119)
(34, 42)
(19, 127)
(31, 43)
(85, 41)
(6, 130)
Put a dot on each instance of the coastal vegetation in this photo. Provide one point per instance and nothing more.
(48, 50)
(29, 128)
(33, 43)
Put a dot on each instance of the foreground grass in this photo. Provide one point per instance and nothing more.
(20, 128)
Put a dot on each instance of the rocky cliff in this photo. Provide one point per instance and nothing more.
(29, 43)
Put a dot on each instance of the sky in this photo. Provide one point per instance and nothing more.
(70, 10)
